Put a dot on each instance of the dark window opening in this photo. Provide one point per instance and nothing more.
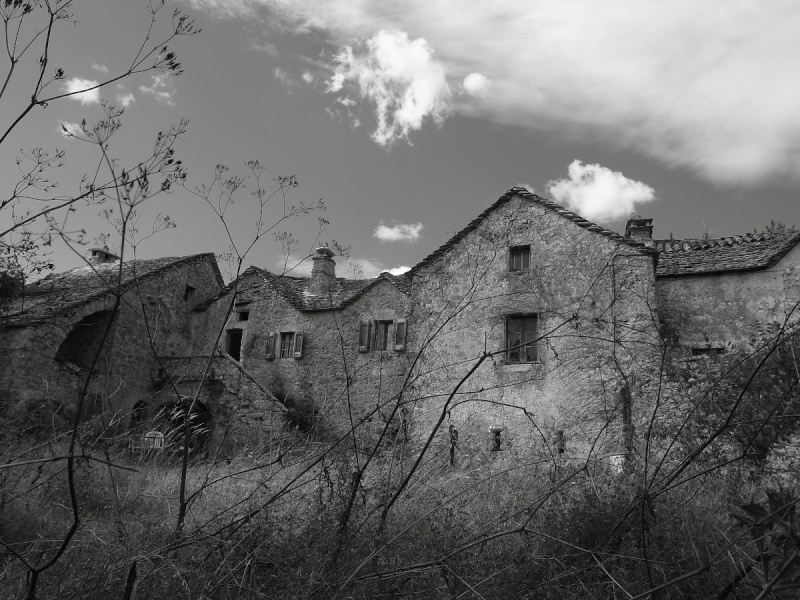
(707, 351)
(521, 339)
(519, 258)
(287, 344)
(235, 343)
(84, 340)
(244, 315)
(188, 292)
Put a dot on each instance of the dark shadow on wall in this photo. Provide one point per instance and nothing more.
(84, 339)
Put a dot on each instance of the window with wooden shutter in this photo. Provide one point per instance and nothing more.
(271, 345)
(364, 335)
(287, 344)
(400, 332)
(298, 344)
(380, 340)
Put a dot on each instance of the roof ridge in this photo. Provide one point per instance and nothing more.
(546, 203)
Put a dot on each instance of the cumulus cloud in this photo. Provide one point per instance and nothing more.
(100, 68)
(702, 85)
(598, 193)
(365, 268)
(161, 89)
(475, 84)
(307, 77)
(400, 77)
(76, 84)
(398, 232)
(124, 96)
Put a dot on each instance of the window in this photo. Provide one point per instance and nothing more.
(234, 343)
(381, 335)
(521, 334)
(188, 292)
(377, 335)
(285, 344)
(244, 315)
(519, 258)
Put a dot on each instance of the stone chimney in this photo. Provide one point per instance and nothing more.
(101, 256)
(640, 230)
(323, 274)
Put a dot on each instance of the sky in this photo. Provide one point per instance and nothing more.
(409, 118)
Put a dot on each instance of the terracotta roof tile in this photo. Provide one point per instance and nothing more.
(723, 255)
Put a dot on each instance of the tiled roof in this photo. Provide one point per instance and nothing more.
(723, 255)
(526, 195)
(295, 289)
(60, 293)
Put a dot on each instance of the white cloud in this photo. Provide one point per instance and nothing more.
(398, 232)
(709, 86)
(162, 89)
(476, 84)
(365, 268)
(352, 268)
(400, 77)
(100, 68)
(307, 77)
(265, 47)
(124, 96)
(598, 193)
(68, 129)
(76, 84)
(399, 270)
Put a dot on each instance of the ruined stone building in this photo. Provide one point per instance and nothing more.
(52, 330)
(530, 326)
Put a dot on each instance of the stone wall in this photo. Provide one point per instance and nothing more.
(333, 386)
(39, 382)
(594, 299)
(718, 311)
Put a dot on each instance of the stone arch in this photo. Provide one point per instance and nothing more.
(85, 338)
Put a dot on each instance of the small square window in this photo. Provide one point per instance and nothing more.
(519, 258)
(244, 315)
(522, 332)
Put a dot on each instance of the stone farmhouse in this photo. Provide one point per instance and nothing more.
(531, 326)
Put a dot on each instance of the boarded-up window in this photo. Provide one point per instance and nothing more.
(381, 337)
(271, 340)
(522, 332)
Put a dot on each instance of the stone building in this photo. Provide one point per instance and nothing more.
(52, 332)
(531, 327)
(716, 294)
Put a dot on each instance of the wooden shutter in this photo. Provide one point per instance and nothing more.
(271, 340)
(298, 344)
(364, 336)
(400, 333)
